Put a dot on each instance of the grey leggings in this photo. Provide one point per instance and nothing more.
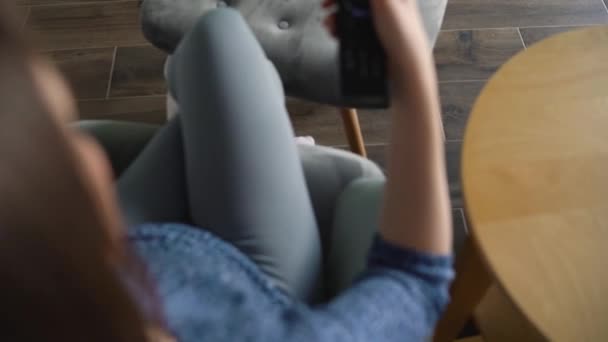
(228, 162)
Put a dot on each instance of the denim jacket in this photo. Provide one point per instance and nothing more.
(210, 291)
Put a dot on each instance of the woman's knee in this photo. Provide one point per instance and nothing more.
(220, 36)
(220, 52)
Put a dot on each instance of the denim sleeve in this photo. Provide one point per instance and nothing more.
(400, 297)
(212, 292)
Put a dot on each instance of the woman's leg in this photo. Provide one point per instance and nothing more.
(152, 188)
(244, 178)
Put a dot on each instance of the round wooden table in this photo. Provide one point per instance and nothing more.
(535, 180)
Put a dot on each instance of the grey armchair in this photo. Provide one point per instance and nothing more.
(345, 189)
(290, 32)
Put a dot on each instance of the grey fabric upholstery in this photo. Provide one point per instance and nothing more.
(289, 31)
(122, 141)
(328, 173)
(356, 216)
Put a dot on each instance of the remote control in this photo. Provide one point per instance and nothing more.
(362, 58)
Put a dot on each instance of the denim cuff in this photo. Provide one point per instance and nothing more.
(429, 266)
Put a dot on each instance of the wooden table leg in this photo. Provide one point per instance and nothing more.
(470, 285)
(499, 320)
(353, 131)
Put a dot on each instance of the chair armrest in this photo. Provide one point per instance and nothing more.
(122, 141)
(328, 173)
(355, 223)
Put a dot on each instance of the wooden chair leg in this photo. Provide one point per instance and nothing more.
(350, 119)
(471, 284)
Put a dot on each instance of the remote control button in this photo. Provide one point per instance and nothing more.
(359, 13)
(376, 69)
(364, 70)
(349, 59)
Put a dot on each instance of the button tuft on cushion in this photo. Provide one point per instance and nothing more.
(284, 24)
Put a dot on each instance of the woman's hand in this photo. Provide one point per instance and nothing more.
(400, 29)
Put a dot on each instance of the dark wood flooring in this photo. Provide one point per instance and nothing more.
(116, 74)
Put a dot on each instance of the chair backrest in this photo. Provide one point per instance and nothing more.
(289, 31)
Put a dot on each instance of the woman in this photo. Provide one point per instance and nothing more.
(68, 274)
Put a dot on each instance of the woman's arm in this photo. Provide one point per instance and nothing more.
(405, 288)
(417, 209)
(399, 298)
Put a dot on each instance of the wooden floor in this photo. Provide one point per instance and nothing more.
(116, 74)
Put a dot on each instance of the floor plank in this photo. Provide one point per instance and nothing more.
(474, 54)
(460, 229)
(56, 2)
(467, 14)
(22, 13)
(457, 99)
(377, 154)
(532, 35)
(324, 123)
(87, 70)
(471, 339)
(86, 25)
(299, 107)
(138, 71)
(499, 320)
(148, 109)
(453, 155)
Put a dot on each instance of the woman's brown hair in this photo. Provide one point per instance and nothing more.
(57, 281)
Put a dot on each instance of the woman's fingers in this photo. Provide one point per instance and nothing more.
(328, 3)
(330, 20)
(330, 24)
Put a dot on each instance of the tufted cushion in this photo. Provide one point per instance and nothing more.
(290, 32)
